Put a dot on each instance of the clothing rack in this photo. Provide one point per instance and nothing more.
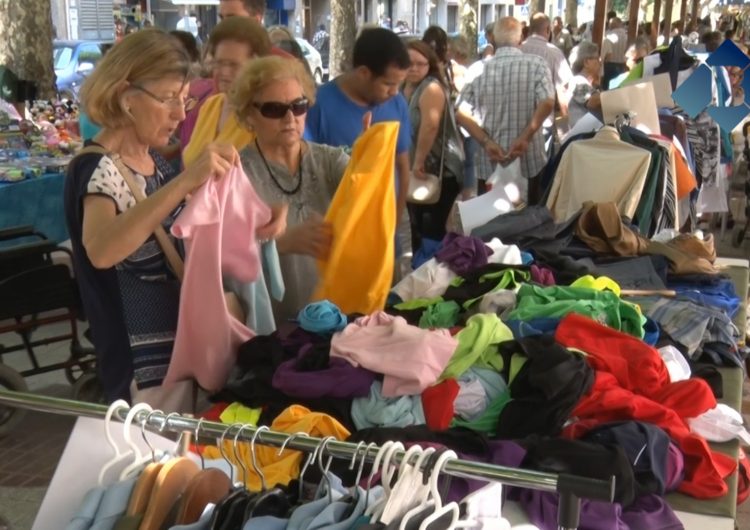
(569, 487)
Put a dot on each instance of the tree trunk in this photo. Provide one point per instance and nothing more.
(468, 11)
(343, 35)
(539, 6)
(571, 13)
(26, 43)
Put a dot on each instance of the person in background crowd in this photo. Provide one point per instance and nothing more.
(370, 90)
(380, 64)
(283, 39)
(119, 29)
(524, 30)
(489, 49)
(255, 9)
(130, 28)
(640, 49)
(614, 46)
(271, 96)
(147, 23)
(437, 39)
(190, 44)
(538, 44)
(561, 37)
(584, 90)
(232, 43)
(320, 36)
(434, 137)
(712, 40)
(460, 62)
(512, 98)
(460, 58)
(137, 93)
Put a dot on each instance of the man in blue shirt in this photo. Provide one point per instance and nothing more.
(380, 63)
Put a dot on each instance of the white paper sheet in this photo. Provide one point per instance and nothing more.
(508, 187)
(638, 98)
(588, 123)
(662, 89)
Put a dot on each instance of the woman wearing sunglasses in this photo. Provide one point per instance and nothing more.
(232, 43)
(271, 98)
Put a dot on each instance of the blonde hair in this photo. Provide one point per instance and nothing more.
(146, 55)
(259, 73)
(279, 33)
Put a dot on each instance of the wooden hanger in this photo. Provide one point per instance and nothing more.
(208, 486)
(141, 495)
(171, 483)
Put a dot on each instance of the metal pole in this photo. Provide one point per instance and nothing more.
(574, 487)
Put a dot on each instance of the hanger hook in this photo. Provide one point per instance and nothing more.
(223, 454)
(354, 456)
(166, 420)
(143, 432)
(362, 462)
(257, 469)
(197, 443)
(289, 439)
(241, 462)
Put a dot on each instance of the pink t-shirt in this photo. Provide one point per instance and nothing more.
(411, 358)
(218, 226)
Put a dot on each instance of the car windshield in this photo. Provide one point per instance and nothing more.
(63, 56)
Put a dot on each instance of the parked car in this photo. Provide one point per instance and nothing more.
(312, 56)
(74, 61)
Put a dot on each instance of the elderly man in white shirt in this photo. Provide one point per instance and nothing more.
(614, 48)
(538, 44)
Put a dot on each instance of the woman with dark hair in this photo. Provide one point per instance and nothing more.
(437, 38)
(435, 138)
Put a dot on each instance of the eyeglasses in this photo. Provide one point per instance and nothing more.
(173, 102)
(276, 110)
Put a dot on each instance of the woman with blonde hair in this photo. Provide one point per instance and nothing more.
(115, 201)
(271, 98)
(232, 43)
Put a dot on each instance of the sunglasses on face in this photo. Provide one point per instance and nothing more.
(276, 110)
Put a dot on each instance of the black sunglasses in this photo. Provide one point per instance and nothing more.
(276, 110)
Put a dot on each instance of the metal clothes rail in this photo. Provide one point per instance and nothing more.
(569, 487)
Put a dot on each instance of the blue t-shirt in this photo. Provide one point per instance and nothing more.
(337, 121)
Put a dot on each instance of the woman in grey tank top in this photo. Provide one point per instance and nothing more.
(434, 137)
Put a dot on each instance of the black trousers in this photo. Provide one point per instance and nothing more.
(428, 220)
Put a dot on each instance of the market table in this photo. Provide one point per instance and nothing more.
(35, 201)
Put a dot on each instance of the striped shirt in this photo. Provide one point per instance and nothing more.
(504, 98)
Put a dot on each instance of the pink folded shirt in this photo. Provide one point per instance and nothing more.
(410, 358)
(218, 226)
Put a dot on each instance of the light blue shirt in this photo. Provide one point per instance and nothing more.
(113, 504)
(86, 514)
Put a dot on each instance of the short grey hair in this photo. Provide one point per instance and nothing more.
(507, 32)
(585, 50)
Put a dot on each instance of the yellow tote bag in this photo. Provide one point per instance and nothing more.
(358, 273)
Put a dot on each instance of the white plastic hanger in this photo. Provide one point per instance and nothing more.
(409, 491)
(440, 510)
(138, 459)
(375, 466)
(388, 503)
(432, 496)
(386, 475)
(119, 455)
